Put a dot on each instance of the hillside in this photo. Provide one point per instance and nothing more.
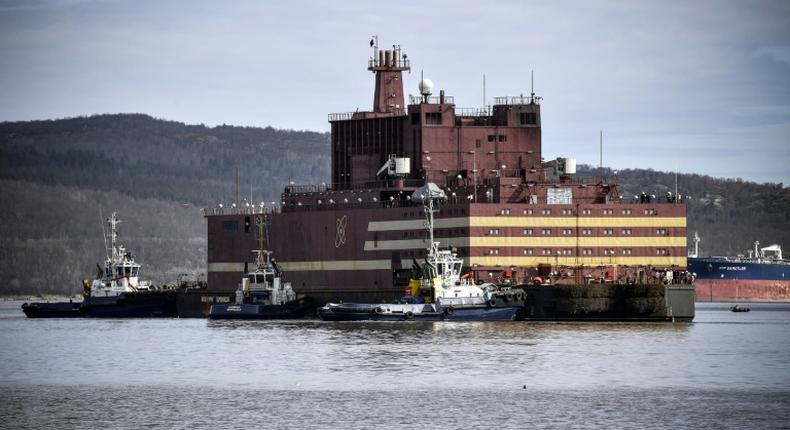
(58, 177)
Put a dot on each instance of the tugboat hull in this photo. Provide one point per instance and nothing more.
(158, 304)
(52, 310)
(250, 311)
(384, 312)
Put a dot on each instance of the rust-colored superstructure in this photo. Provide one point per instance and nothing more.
(511, 215)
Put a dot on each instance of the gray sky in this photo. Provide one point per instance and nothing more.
(697, 86)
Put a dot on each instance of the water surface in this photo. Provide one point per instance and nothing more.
(726, 370)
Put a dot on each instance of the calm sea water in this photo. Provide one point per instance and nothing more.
(724, 370)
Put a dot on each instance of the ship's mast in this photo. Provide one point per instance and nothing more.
(114, 221)
(697, 240)
(427, 206)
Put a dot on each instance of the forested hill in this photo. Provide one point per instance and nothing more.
(143, 157)
(58, 177)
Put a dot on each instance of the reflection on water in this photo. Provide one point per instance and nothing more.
(727, 356)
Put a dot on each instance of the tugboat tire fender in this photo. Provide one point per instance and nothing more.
(378, 310)
(492, 303)
(449, 310)
(408, 315)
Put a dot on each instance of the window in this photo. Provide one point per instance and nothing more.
(567, 231)
(586, 232)
(661, 232)
(545, 231)
(493, 251)
(493, 232)
(477, 143)
(433, 118)
(567, 251)
(567, 211)
(627, 251)
(505, 211)
(502, 138)
(230, 225)
(626, 211)
(661, 251)
(528, 251)
(492, 138)
(607, 211)
(587, 251)
(528, 118)
(650, 211)
(586, 211)
(546, 211)
(608, 251)
(625, 231)
(545, 251)
(527, 211)
(528, 231)
(606, 231)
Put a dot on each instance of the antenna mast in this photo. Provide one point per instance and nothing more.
(104, 235)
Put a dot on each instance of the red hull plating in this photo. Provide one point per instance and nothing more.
(729, 290)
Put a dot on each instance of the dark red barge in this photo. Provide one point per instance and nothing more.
(511, 215)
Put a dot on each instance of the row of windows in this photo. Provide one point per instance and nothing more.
(584, 231)
(567, 211)
(497, 138)
(583, 251)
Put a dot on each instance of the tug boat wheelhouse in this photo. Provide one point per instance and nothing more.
(511, 215)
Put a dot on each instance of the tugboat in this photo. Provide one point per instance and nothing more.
(262, 294)
(116, 293)
(437, 291)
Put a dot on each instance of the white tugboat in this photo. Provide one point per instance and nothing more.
(262, 293)
(121, 271)
(437, 290)
(116, 293)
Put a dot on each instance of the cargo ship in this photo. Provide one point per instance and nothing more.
(761, 275)
(511, 216)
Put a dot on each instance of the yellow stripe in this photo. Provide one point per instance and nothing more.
(534, 260)
(293, 266)
(225, 267)
(417, 224)
(583, 241)
(387, 245)
(635, 221)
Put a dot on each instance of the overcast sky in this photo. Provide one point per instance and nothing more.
(697, 86)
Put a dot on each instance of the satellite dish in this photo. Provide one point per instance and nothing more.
(425, 86)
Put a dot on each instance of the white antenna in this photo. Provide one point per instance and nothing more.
(697, 240)
(104, 235)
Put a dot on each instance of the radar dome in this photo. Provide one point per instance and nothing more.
(426, 86)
